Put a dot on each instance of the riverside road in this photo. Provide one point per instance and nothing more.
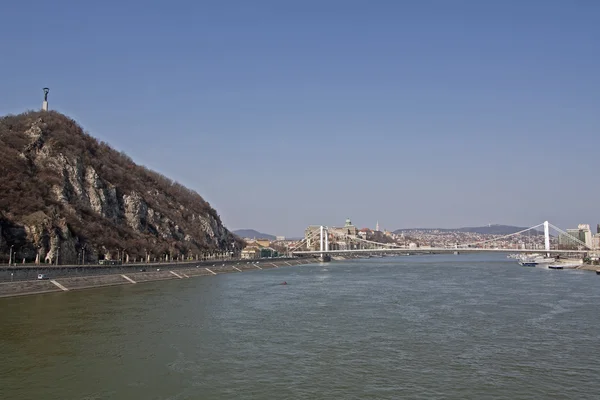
(30, 272)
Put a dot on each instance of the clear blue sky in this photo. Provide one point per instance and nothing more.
(428, 113)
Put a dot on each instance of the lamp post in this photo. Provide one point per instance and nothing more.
(10, 255)
(57, 253)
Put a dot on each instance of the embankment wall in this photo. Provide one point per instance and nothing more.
(62, 279)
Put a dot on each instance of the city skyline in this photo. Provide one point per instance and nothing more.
(595, 228)
(285, 115)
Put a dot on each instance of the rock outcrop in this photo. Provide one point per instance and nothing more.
(66, 195)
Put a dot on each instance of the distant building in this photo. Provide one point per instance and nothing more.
(586, 233)
(583, 234)
(263, 242)
(347, 230)
(312, 236)
(596, 241)
(337, 236)
(566, 240)
(258, 251)
(250, 253)
(364, 233)
(340, 237)
(258, 242)
(280, 238)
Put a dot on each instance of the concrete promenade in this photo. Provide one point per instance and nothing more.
(64, 279)
(20, 272)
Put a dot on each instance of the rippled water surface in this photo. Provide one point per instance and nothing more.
(418, 327)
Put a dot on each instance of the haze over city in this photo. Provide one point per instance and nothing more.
(413, 114)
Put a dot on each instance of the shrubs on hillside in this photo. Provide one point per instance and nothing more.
(26, 190)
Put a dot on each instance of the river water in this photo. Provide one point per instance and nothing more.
(415, 327)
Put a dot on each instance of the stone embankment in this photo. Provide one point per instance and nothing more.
(67, 279)
(589, 267)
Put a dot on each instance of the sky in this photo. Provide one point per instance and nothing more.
(283, 114)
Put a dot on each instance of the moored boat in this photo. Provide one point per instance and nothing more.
(527, 263)
(535, 260)
(564, 265)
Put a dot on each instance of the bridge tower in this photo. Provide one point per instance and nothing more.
(547, 237)
(324, 243)
(321, 238)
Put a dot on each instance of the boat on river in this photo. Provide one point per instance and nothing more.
(534, 260)
(567, 265)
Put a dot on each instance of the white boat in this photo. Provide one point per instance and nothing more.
(535, 260)
(564, 265)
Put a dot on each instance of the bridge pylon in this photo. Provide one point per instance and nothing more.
(547, 237)
(324, 244)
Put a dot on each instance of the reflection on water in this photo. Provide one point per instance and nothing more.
(452, 327)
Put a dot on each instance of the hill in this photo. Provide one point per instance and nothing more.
(484, 230)
(66, 194)
(251, 233)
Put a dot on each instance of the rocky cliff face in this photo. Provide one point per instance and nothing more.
(65, 195)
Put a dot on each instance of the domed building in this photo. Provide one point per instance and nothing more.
(348, 229)
(336, 236)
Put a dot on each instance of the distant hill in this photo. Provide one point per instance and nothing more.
(484, 230)
(251, 233)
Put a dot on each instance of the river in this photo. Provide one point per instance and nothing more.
(474, 326)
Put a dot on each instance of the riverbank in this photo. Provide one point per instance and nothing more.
(589, 267)
(79, 279)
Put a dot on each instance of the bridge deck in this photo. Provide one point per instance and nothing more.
(436, 249)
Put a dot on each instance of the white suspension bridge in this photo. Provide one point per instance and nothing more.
(356, 245)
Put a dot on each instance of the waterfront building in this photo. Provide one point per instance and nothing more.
(257, 251)
(364, 233)
(258, 242)
(586, 234)
(566, 240)
(582, 233)
(263, 242)
(250, 253)
(596, 241)
(312, 236)
(347, 230)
